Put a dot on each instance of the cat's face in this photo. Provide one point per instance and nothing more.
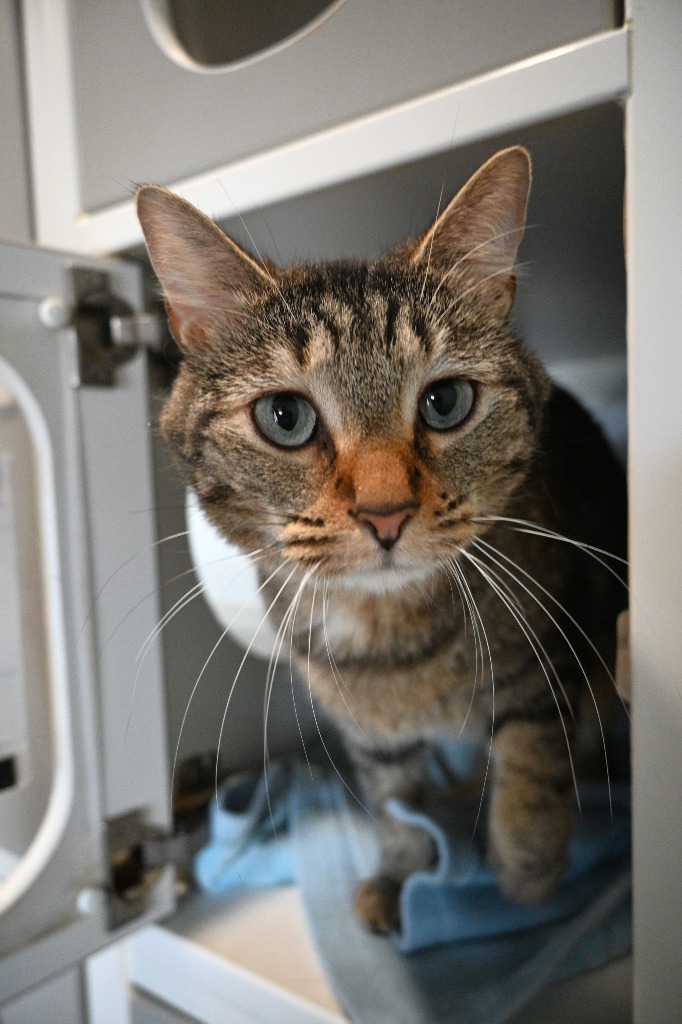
(357, 417)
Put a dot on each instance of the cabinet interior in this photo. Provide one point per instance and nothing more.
(570, 309)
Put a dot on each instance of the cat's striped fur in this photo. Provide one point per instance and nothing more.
(390, 551)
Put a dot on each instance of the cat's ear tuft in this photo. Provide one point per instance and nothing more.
(203, 273)
(478, 234)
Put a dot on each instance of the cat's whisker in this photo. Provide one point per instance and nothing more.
(571, 647)
(338, 678)
(444, 565)
(421, 591)
(482, 543)
(513, 603)
(293, 687)
(189, 596)
(288, 617)
(536, 529)
(121, 567)
(151, 593)
(247, 652)
(528, 633)
(460, 571)
(454, 574)
(198, 680)
(182, 602)
(312, 707)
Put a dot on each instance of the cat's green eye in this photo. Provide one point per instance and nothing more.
(285, 419)
(446, 403)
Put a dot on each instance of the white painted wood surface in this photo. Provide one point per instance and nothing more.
(654, 261)
(569, 78)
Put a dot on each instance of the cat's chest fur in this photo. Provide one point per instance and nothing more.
(394, 664)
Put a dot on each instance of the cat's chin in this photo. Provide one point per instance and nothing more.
(380, 580)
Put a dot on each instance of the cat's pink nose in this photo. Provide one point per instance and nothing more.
(386, 524)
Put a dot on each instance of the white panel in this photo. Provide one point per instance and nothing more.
(654, 243)
(53, 908)
(210, 988)
(57, 1001)
(13, 728)
(107, 991)
(535, 89)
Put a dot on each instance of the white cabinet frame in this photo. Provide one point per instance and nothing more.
(639, 63)
(548, 85)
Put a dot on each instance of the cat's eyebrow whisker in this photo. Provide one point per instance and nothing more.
(264, 265)
(527, 631)
(218, 306)
(433, 235)
(509, 269)
(471, 252)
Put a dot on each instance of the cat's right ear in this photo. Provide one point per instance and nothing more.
(201, 270)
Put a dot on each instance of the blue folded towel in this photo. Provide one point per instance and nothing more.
(459, 897)
(249, 835)
(473, 956)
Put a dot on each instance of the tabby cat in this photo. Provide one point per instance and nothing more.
(404, 473)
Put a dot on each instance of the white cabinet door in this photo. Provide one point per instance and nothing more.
(83, 768)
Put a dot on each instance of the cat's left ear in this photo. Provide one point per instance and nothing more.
(204, 274)
(480, 231)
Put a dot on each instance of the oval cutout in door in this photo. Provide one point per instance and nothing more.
(219, 35)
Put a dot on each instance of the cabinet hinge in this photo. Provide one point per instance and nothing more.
(108, 332)
(133, 873)
(137, 855)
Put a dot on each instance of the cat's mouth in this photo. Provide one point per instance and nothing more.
(381, 579)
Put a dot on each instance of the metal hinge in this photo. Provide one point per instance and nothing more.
(107, 331)
(137, 853)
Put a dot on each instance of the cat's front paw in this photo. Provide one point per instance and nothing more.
(377, 904)
(527, 880)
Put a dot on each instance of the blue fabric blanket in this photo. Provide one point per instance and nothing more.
(465, 954)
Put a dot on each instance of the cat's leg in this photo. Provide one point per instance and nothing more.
(386, 772)
(531, 810)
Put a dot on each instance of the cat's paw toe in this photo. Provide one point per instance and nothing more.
(377, 904)
(529, 883)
